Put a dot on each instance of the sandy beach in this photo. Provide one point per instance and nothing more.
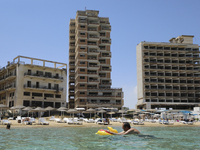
(57, 125)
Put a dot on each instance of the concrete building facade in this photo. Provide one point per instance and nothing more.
(33, 82)
(168, 74)
(89, 63)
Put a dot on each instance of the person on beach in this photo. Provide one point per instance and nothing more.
(8, 127)
(127, 130)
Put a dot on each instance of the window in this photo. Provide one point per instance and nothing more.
(82, 26)
(49, 95)
(82, 47)
(37, 94)
(37, 84)
(49, 85)
(27, 94)
(82, 77)
(28, 83)
(58, 96)
(82, 92)
(48, 74)
(82, 33)
(82, 100)
(82, 55)
(82, 70)
(82, 85)
(39, 73)
(82, 40)
(82, 62)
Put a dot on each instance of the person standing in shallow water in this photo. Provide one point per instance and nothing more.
(127, 130)
(8, 127)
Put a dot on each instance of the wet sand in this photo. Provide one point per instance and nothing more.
(57, 125)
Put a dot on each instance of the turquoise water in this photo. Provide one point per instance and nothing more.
(166, 138)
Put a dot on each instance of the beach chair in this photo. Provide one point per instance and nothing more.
(114, 119)
(52, 118)
(76, 121)
(33, 120)
(100, 122)
(189, 123)
(165, 122)
(68, 120)
(6, 122)
(58, 120)
(19, 119)
(134, 122)
(91, 121)
(10, 118)
(171, 122)
(85, 120)
(43, 122)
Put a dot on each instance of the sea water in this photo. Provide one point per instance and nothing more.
(75, 138)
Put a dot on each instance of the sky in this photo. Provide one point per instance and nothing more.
(40, 29)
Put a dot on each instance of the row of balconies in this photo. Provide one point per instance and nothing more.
(177, 88)
(170, 48)
(172, 61)
(170, 74)
(7, 76)
(173, 55)
(175, 81)
(7, 87)
(172, 95)
(172, 101)
(172, 68)
(42, 87)
(43, 76)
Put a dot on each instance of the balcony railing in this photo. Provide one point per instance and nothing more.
(44, 76)
(42, 87)
(8, 76)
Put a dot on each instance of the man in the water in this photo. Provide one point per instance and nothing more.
(8, 127)
(127, 130)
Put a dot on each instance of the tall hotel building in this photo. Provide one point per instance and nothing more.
(89, 63)
(33, 82)
(168, 74)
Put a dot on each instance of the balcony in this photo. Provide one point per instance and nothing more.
(93, 80)
(42, 76)
(93, 66)
(93, 51)
(92, 43)
(92, 58)
(92, 72)
(93, 37)
(8, 77)
(92, 29)
(106, 28)
(106, 42)
(42, 88)
(72, 31)
(93, 22)
(105, 55)
(106, 83)
(106, 69)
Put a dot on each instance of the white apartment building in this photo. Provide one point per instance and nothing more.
(168, 74)
(33, 82)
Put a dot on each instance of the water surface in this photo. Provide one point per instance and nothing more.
(73, 138)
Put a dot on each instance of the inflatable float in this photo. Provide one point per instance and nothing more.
(104, 132)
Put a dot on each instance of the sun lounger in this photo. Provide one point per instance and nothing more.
(85, 120)
(33, 120)
(19, 119)
(171, 122)
(57, 120)
(68, 120)
(189, 123)
(76, 121)
(135, 122)
(99, 122)
(165, 122)
(52, 118)
(42, 121)
(10, 118)
(90, 121)
(113, 119)
(6, 122)
(182, 122)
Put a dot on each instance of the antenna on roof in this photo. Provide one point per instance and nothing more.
(85, 8)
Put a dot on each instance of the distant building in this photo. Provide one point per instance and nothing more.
(26, 82)
(168, 74)
(89, 63)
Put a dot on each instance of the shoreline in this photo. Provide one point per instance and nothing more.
(112, 124)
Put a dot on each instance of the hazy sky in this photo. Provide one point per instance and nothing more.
(40, 28)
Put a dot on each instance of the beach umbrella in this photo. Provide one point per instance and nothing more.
(111, 113)
(122, 112)
(13, 108)
(61, 109)
(28, 109)
(101, 111)
(91, 110)
(39, 110)
(49, 108)
(2, 107)
(72, 111)
(19, 107)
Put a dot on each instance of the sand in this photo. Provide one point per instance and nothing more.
(57, 125)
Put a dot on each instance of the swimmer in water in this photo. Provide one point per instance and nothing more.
(8, 127)
(127, 130)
